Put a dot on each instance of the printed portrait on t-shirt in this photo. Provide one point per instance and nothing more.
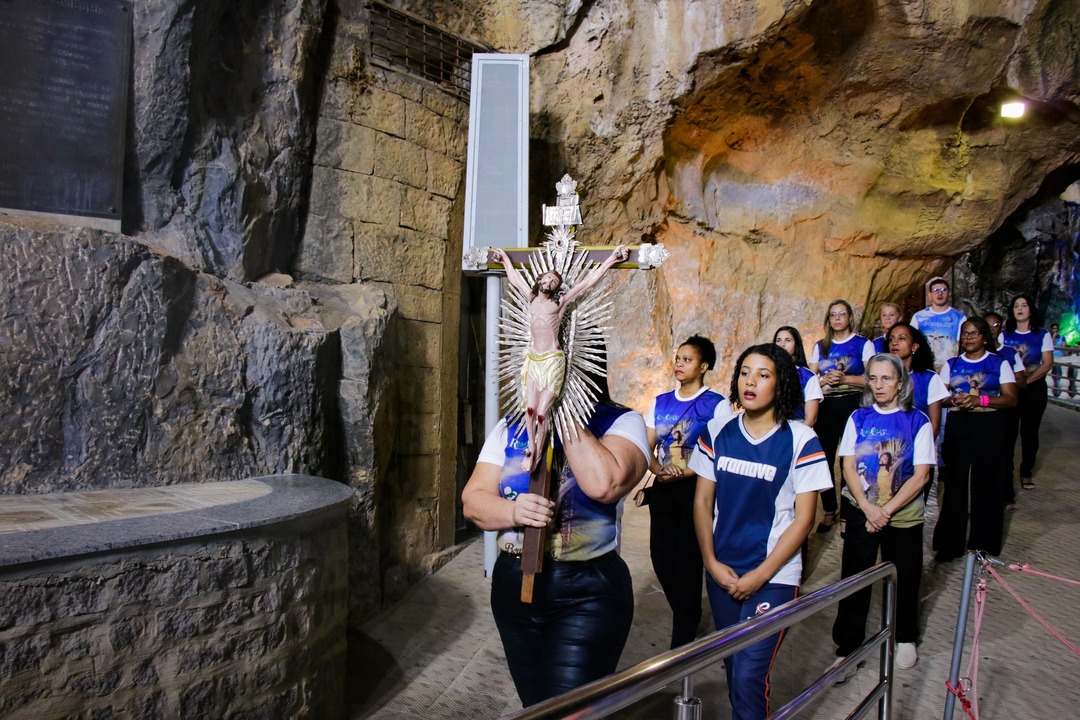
(879, 458)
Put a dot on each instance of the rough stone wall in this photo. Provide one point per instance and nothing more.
(386, 207)
(251, 626)
(124, 367)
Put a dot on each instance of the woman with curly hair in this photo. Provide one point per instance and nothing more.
(759, 473)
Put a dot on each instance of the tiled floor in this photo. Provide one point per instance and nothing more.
(437, 654)
(20, 513)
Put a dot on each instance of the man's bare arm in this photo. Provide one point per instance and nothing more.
(512, 273)
(619, 254)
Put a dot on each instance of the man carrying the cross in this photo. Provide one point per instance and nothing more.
(544, 370)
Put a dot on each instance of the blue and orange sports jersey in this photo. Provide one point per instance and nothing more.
(756, 484)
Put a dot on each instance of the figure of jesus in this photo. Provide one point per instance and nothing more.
(544, 370)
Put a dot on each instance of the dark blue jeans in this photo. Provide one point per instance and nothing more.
(574, 630)
(748, 670)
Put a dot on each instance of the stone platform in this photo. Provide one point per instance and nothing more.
(437, 653)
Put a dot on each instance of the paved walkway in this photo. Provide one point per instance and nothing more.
(437, 654)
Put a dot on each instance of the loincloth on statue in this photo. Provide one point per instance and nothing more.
(546, 370)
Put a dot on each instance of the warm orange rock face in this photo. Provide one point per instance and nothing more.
(788, 154)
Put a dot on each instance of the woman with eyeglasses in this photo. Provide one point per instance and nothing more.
(839, 361)
(1036, 349)
(982, 384)
(887, 454)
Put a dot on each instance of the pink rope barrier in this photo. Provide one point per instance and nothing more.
(1027, 569)
(1053, 631)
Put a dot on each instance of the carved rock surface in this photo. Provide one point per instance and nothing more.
(123, 367)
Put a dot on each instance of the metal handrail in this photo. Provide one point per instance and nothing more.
(602, 697)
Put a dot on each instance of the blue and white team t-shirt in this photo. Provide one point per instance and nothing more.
(757, 480)
(678, 421)
(811, 390)
(849, 356)
(584, 528)
(1030, 345)
(942, 331)
(983, 376)
(879, 345)
(928, 389)
(887, 445)
(1013, 358)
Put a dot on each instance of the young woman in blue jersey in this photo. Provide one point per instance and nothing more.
(887, 454)
(673, 422)
(759, 473)
(789, 338)
(890, 315)
(1011, 415)
(574, 630)
(839, 361)
(981, 383)
(1036, 349)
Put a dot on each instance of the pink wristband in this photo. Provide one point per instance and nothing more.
(984, 400)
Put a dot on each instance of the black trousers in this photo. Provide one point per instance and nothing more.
(832, 417)
(1030, 408)
(900, 546)
(573, 631)
(676, 557)
(973, 452)
(1011, 420)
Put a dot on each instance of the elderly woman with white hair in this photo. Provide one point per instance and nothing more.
(887, 452)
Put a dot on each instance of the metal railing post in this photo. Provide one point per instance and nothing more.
(888, 648)
(687, 707)
(958, 639)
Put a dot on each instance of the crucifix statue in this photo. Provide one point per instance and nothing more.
(552, 337)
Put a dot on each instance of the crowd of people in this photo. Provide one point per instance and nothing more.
(737, 479)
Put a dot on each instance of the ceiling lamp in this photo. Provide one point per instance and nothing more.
(1013, 109)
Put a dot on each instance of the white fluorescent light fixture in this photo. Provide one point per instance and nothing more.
(1012, 109)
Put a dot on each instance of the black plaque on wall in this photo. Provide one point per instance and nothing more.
(64, 68)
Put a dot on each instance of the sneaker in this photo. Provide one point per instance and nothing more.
(906, 656)
(849, 672)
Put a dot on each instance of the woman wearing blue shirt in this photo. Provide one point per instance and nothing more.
(758, 476)
(673, 422)
(982, 383)
(839, 361)
(1036, 349)
(887, 454)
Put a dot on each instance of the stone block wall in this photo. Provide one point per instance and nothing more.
(387, 197)
(249, 625)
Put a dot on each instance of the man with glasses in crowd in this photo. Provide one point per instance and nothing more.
(940, 322)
